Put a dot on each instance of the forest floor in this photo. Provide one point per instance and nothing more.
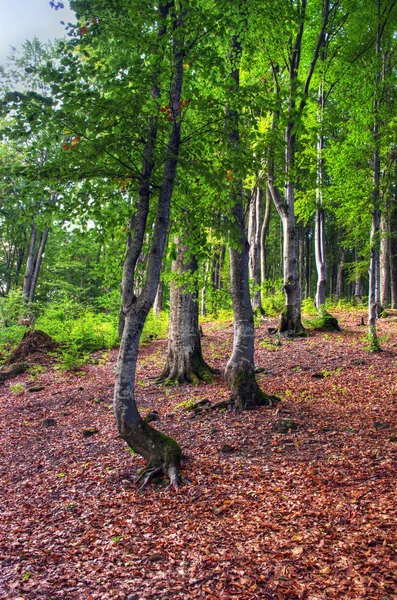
(311, 514)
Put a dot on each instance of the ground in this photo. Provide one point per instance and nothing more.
(310, 514)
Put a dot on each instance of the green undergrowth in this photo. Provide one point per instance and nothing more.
(79, 329)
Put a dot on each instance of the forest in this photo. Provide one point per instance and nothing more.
(198, 302)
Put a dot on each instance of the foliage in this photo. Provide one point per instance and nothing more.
(155, 327)
(273, 298)
(78, 327)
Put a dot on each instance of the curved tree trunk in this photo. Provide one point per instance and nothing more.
(162, 453)
(185, 363)
(240, 375)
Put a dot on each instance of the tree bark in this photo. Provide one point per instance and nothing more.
(239, 373)
(393, 259)
(37, 266)
(185, 363)
(264, 232)
(254, 240)
(374, 269)
(384, 260)
(158, 301)
(162, 453)
(358, 285)
(340, 272)
(29, 264)
(290, 319)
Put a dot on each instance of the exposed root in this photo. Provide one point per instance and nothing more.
(171, 471)
(147, 475)
(192, 371)
(290, 324)
(174, 477)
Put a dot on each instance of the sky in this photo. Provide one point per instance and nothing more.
(23, 19)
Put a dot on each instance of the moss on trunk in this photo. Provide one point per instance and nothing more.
(245, 391)
(290, 322)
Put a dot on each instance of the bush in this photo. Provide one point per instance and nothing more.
(273, 298)
(12, 308)
(155, 327)
(78, 328)
(308, 306)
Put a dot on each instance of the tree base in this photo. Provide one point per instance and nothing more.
(373, 342)
(327, 321)
(180, 372)
(161, 452)
(290, 324)
(246, 393)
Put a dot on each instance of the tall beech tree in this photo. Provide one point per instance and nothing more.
(290, 320)
(240, 369)
(185, 362)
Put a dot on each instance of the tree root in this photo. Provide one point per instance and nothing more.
(188, 372)
(290, 324)
(150, 473)
(147, 475)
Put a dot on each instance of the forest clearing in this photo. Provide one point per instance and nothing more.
(306, 514)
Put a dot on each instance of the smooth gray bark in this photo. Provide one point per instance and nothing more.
(290, 319)
(264, 232)
(29, 264)
(384, 260)
(162, 453)
(239, 373)
(254, 240)
(37, 266)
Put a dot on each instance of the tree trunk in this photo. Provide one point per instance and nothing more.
(384, 260)
(264, 232)
(290, 318)
(240, 370)
(18, 266)
(372, 296)
(254, 240)
(358, 285)
(308, 263)
(374, 268)
(240, 375)
(29, 264)
(203, 306)
(393, 259)
(185, 363)
(37, 265)
(301, 253)
(339, 276)
(162, 453)
(319, 235)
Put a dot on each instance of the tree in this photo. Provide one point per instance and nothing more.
(291, 316)
(184, 363)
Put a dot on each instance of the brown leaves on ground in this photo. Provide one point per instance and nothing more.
(309, 514)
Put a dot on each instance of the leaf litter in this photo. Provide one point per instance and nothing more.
(307, 514)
